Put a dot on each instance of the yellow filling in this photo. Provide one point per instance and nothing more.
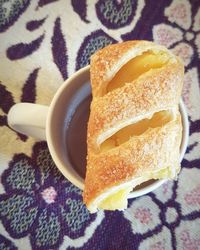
(136, 67)
(118, 200)
(158, 119)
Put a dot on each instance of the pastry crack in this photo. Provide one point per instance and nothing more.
(158, 119)
(136, 67)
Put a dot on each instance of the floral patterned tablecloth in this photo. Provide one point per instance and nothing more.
(42, 43)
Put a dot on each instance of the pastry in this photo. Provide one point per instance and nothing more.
(134, 129)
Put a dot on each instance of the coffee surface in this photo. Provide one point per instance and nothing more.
(76, 137)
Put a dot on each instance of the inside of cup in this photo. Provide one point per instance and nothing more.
(76, 136)
(72, 110)
(68, 125)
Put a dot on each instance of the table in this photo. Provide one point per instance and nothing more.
(42, 43)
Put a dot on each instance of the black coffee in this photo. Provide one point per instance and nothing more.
(76, 137)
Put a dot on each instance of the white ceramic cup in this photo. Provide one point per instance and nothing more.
(52, 124)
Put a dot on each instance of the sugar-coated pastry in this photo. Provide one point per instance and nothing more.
(134, 128)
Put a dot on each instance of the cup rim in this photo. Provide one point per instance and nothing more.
(62, 168)
(80, 182)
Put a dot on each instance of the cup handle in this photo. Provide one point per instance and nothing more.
(29, 119)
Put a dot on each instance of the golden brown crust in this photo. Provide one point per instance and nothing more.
(157, 89)
(154, 150)
(107, 61)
